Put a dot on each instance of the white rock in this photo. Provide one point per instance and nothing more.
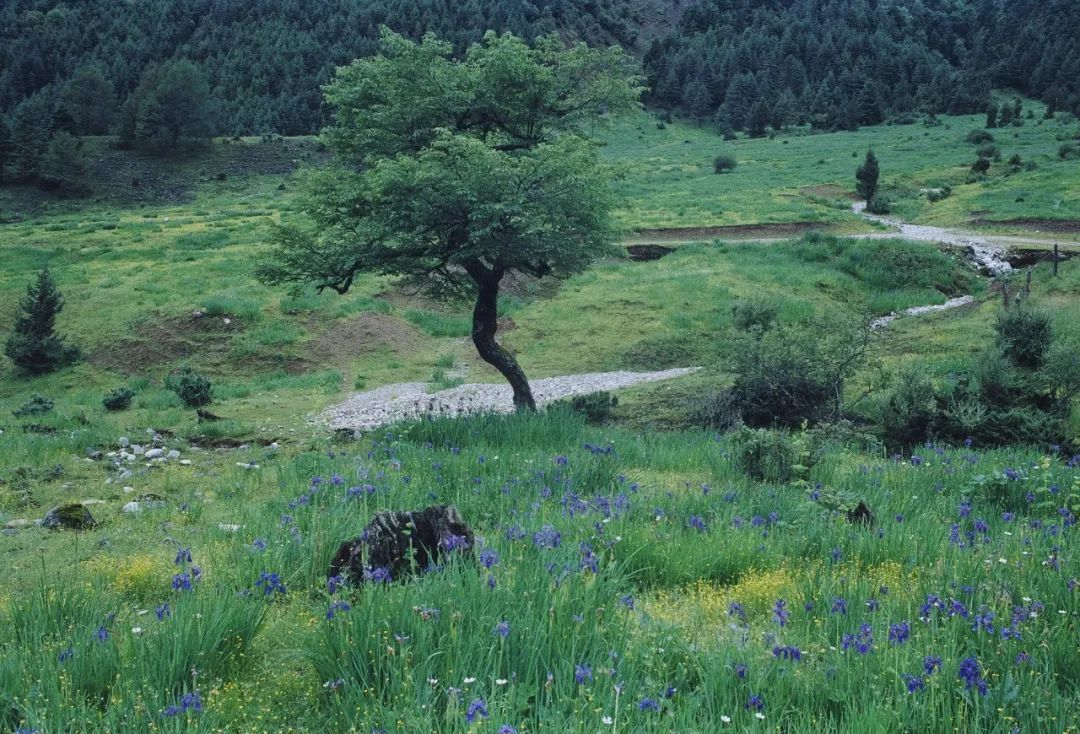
(155, 454)
(131, 508)
(185, 462)
(124, 441)
(18, 524)
(88, 503)
(138, 450)
(128, 490)
(228, 527)
(246, 465)
(173, 455)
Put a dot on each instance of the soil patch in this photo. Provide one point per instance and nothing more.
(1063, 226)
(162, 340)
(362, 334)
(1027, 258)
(749, 231)
(645, 253)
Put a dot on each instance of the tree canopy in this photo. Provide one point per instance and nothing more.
(453, 172)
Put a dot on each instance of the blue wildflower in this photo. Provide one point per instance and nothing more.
(502, 629)
(338, 606)
(914, 683)
(183, 556)
(931, 663)
(270, 583)
(162, 612)
(780, 612)
(971, 674)
(489, 558)
(696, 523)
(582, 674)
(649, 704)
(547, 537)
(756, 702)
(899, 633)
(477, 707)
(378, 575)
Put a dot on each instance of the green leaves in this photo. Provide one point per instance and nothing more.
(445, 162)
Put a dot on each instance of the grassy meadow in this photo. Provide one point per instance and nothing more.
(628, 577)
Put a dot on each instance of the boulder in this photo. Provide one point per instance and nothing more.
(71, 516)
(401, 543)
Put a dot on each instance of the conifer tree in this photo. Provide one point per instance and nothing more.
(991, 116)
(866, 177)
(33, 345)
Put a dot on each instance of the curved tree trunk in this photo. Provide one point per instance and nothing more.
(485, 316)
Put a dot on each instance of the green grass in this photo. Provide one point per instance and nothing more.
(797, 177)
(133, 275)
(656, 609)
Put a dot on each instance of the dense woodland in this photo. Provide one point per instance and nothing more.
(163, 70)
(839, 64)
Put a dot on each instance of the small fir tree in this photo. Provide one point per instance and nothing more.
(33, 345)
(991, 116)
(866, 177)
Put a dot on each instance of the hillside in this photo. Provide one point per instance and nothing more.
(836, 64)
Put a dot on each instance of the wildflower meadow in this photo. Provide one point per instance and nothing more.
(621, 582)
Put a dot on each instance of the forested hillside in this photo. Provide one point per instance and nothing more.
(264, 62)
(843, 63)
(88, 68)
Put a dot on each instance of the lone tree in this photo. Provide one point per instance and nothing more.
(454, 173)
(866, 177)
(33, 345)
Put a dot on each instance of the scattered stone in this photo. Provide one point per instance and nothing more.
(18, 524)
(138, 450)
(247, 465)
(91, 502)
(131, 508)
(185, 462)
(94, 455)
(71, 516)
(402, 542)
(862, 515)
(154, 454)
(124, 442)
(173, 455)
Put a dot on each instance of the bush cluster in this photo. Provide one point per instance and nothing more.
(193, 388)
(118, 398)
(595, 407)
(1018, 391)
(724, 163)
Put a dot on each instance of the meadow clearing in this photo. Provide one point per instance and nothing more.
(630, 576)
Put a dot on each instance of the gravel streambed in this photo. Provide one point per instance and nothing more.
(410, 400)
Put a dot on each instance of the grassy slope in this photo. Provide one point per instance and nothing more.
(808, 178)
